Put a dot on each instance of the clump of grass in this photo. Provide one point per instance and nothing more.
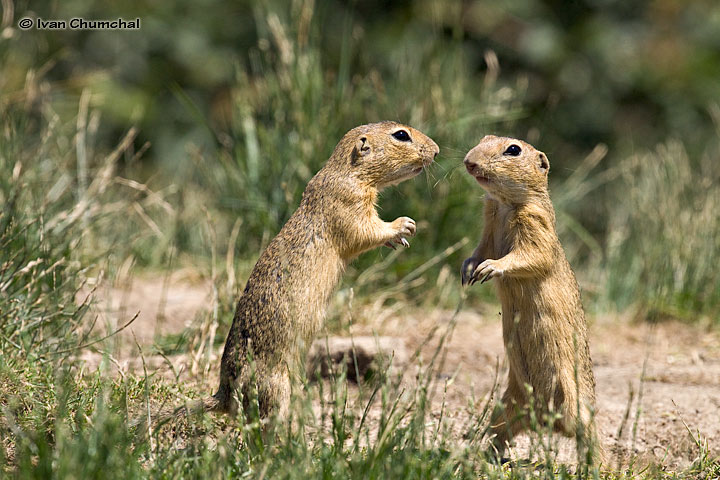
(50, 211)
(662, 246)
(38, 272)
(53, 200)
(86, 437)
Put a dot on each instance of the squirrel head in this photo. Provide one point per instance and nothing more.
(385, 153)
(509, 170)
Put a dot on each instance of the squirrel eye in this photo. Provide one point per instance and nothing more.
(513, 150)
(402, 135)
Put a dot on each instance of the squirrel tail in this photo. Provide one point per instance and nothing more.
(143, 428)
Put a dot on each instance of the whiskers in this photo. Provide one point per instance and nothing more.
(451, 159)
(454, 152)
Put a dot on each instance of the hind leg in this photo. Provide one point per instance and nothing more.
(507, 420)
(580, 425)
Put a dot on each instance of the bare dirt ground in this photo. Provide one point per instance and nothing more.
(680, 389)
(680, 386)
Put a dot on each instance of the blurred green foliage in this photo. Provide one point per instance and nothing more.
(241, 103)
(628, 74)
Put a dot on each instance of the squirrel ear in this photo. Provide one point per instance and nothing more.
(544, 164)
(362, 148)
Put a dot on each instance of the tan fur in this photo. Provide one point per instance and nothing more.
(544, 328)
(285, 298)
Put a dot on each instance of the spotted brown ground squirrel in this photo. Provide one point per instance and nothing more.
(284, 302)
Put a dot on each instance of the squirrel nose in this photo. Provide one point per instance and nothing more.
(470, 165)
(434, 150)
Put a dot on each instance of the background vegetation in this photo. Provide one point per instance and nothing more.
(192, 139)
(236, 106)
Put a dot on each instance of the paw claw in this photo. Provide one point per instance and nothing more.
(403, 227)
(466, 272)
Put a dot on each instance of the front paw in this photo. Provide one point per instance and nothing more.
(487, 270)
(402, 227)
(468, 268)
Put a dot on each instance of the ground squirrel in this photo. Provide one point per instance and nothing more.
(284, 302)
(544, 328)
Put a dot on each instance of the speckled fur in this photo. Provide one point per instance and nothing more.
(286, 296)
(544, 327)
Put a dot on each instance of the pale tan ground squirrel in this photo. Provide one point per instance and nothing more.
(284, 302)
(544, 327)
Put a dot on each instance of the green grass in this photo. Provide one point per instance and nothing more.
(663, 243)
